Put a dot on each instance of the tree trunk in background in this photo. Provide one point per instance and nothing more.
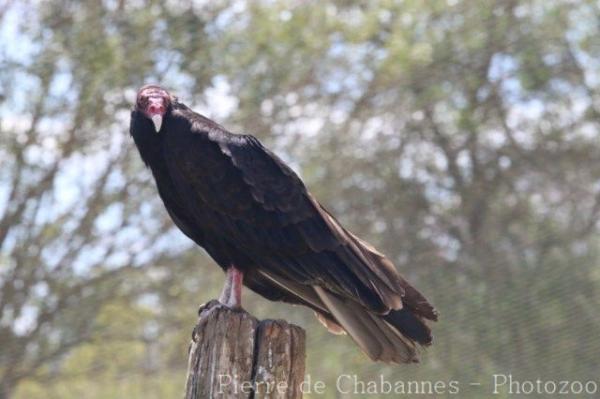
(233, 355)
(5, 391)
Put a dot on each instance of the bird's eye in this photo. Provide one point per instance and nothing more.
(142, 102)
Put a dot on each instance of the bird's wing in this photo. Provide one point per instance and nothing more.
(264, 209)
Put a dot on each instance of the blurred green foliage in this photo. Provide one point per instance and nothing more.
(460, 137)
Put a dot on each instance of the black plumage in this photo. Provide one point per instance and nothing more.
(249, 210)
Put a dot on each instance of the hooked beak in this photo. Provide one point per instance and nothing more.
(157, 121)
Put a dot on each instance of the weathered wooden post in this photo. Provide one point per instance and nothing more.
(234, 356)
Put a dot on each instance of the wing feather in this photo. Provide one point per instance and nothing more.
(261, 206)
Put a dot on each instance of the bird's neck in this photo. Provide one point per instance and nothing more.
(148, 142)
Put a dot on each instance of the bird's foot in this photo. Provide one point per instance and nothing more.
(208, 306)
(231, 298)
(204, 312)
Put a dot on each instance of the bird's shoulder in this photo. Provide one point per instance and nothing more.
(243, 150)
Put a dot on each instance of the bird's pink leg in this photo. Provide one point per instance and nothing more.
(232, 290)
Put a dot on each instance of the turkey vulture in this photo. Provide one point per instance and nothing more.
(256, 219)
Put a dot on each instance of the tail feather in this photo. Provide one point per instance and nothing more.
(388, 338)
(410, 325)
(377, 338)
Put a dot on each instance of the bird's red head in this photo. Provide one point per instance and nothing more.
(154, 102)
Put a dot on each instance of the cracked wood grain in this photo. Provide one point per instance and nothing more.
(233, 355)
